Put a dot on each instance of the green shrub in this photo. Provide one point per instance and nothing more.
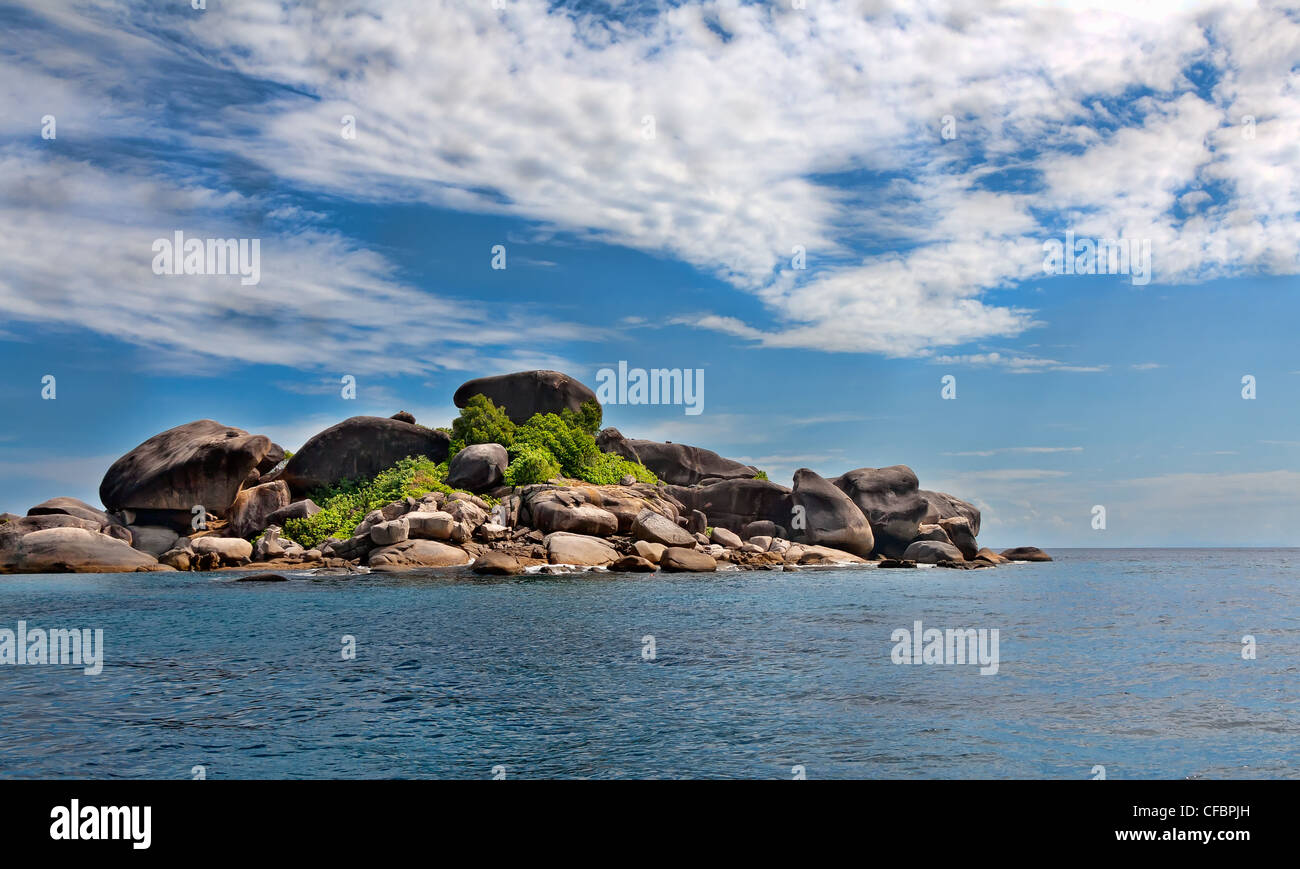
(563, 438)
(606, 469)
(548, 445)
(532, 464)
(761, 475)
(481, 422)
(344, 505)
(587, 418)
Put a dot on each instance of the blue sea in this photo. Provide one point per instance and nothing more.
(1127, 660)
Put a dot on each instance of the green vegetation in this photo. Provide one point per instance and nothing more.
(532, 464)
(344, 506)
(761, 475)
(547, 446)
(607, 469)
(481, 422)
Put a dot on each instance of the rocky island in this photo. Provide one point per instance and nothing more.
(525, 479)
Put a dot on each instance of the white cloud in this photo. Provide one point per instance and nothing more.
(1018, 450)
(539, 113)
(323, 302)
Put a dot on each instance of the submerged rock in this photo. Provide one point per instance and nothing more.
(1025, 553)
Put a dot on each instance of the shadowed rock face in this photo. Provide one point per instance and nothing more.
(478, 467)
(525, 393)
(890, 499)
(70, 507)
(358, 448)
(830, 517)
(932, 552)
(941, 505)
(733, 504)
(202, 462)
(76, 550)
(1025, 553)
(251, 511)
(675, 464)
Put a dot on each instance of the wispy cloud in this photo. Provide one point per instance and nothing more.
(1026, 450)
(544, 113)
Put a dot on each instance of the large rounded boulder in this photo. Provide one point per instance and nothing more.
(359, 448)
(478, 467)
(676, 464)
(525, 393)
(828, 516)
(890, 498)
(199, 463)
(941, 505)
(932, 552)
(71, 507)
(76, 550)
(1025, 553)
(254, 507)
(733, 504)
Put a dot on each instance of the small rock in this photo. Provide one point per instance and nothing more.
(262, 577)
(1025, 553)
(633, 564)
(390, 532)
(681, 559)
(496, 563)
(651, 552)
(723, 537)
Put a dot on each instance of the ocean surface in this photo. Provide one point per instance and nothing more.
(1129, 660)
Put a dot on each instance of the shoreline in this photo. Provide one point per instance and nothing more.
(525, 478)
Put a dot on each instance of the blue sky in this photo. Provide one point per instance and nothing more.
(823, 128)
